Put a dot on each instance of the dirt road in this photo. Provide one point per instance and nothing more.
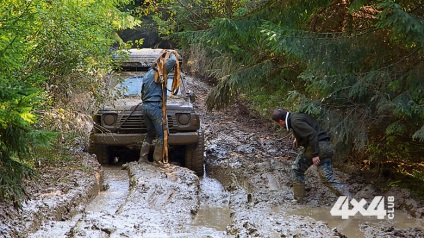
(245, 193)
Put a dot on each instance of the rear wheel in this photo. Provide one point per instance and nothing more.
(194, 156)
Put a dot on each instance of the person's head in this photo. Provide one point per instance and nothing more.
(279, 116)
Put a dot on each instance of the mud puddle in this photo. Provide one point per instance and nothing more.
(116, 188)
(214, 209)
(108, 201)
(214, 217)
(146, 201)
(353, 226)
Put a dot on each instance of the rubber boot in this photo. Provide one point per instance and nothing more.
(343, 191)
(158, 154)
(298, 191)
(144, 153)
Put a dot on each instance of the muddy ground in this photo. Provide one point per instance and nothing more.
(246, 192)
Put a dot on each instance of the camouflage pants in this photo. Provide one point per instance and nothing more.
(304, 161)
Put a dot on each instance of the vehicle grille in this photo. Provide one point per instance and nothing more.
(135, 124)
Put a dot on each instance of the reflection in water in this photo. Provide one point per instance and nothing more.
(350, 227)
(214, 211)
(214, 217)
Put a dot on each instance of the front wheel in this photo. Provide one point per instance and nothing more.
(101, 152)
(195, 156)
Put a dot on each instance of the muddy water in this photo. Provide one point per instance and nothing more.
(115, 193)
(107, 202)
(214, 217)
(214, 210)
(352, 227)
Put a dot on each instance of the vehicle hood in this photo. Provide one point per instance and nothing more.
(128, 104)
(121, 104)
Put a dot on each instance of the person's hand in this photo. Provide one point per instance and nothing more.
(294, 143)
(315, 160)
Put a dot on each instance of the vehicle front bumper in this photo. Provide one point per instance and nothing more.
(112, 139)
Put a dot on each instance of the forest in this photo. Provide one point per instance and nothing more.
(357, 65)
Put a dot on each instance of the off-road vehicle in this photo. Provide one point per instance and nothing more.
(118, 126)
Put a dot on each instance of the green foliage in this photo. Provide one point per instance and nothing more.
(53, 54)
(356, 65)
(361, 77)
(405, 28)
(419, 135)
(11, 175)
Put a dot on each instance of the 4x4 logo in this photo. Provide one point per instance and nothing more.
(375, 208)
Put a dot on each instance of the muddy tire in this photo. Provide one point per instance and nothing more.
(101, 152)
(194, 156)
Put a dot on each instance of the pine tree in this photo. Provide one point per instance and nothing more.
(356, 65)
(51, 52)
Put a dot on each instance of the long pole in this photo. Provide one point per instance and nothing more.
(164, 125)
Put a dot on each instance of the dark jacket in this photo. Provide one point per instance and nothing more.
(307, 131)
(151, 91)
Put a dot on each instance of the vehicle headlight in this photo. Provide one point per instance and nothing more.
(184, 119)
(109, 119)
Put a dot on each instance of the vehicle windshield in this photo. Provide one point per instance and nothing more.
(131, 87)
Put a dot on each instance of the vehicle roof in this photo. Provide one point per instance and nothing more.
(139, 59)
